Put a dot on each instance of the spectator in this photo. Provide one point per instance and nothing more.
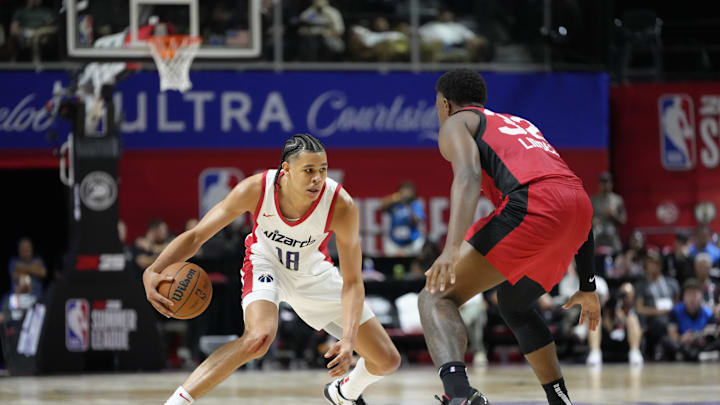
(710, 289)
(629, 265)
(656, 296)
(703, 243)
(380, 43)
(677, 263)
(32, 27)
(445, 40)
(620, 334)
(27, 264)
(406, 236)
(474, 315)
(147, 248)
(608, 216)
(689, 331)
(14, 305)
(321, 31)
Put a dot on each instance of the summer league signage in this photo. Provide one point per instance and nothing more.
(344, 109)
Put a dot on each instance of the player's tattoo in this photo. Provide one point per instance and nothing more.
(444, 329)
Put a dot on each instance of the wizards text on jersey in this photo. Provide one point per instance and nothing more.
(276, 236)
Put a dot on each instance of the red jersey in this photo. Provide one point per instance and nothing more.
(513, 153)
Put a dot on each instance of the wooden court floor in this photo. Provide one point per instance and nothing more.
(613, 384)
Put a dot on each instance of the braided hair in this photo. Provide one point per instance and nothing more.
(293, 146)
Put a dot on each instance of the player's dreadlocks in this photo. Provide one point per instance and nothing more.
(462, 86)
(298, 143)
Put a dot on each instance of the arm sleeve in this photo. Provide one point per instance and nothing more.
(585, 264)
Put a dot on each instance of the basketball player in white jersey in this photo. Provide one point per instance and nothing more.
(296, 208)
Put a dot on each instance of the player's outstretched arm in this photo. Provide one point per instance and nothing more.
(242, 198)
(345, 224)
(457, 147)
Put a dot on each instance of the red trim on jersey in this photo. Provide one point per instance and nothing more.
(307, 214)
(324, 245)
(247, 269)
(260, 201)
(470, 108)
(324, 249)
(332, 208)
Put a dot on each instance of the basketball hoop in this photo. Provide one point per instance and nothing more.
(173, 55)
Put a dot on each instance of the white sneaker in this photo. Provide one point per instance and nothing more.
(635, 358)
(335, 397)
(594, 358)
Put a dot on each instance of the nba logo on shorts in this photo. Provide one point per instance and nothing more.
(677, 132)
(214, 184)
(77, 324)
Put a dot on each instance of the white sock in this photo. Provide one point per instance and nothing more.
(180, 397)
(355, 383)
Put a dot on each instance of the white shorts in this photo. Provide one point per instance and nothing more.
(315, 298)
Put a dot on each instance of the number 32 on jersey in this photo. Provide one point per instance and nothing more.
(535, 138)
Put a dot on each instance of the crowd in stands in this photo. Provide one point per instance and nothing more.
(659, 303)
(313, 30)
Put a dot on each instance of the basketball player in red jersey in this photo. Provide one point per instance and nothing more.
(541, 221)
(295, 209)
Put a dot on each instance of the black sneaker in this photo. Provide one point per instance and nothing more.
(475, 398)
(335, 397)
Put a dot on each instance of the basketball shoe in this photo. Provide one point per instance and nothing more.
(475, 398)
(335, 397)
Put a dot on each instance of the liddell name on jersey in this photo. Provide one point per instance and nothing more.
(276, 236)
(532, 143)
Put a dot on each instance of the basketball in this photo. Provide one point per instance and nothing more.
(190, 289)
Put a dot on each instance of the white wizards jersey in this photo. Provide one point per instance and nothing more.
(298, 246)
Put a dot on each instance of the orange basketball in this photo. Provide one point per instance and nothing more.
(190, 290)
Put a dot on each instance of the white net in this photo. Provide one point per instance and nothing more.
(173, 55)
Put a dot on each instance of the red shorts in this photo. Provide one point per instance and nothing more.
(536, 231)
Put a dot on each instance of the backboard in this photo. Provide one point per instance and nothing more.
(117, 29)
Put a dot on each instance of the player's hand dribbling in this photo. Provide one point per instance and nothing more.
(589, 307)
(342, 351)
(441, 273)
(151, 280)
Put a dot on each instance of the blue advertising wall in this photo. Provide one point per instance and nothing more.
(345, 109)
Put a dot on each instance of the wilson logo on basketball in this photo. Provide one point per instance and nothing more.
(183, 285)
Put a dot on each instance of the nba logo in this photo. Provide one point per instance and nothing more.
(677, 132)
(214, 184)
(77, 324)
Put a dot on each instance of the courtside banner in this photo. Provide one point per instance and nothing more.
(344, 109)
(180, 184)
(666, 152)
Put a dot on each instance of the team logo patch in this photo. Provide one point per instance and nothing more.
(98, 190)
(214, 184)
(677, 132)
(77, 325)
(265, 278)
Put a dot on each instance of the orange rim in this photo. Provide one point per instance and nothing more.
(166, 45)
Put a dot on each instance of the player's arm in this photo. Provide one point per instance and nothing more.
(242, 198)
(345, 224)
(586, 297)
(457, 147)
(35, 269)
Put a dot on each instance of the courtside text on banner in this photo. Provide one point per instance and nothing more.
(344, 109)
